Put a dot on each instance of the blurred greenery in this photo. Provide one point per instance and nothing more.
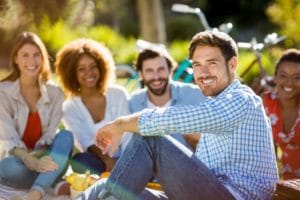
(56, 34)
(268, 59)
(114, 23)
(286, 15)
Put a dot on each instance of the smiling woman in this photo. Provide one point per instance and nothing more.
(33, 153)
(283, 109)
(85, 69)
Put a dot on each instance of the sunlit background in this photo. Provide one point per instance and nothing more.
(119, 23)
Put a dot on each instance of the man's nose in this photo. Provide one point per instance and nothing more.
(202, 70)
(156, 75)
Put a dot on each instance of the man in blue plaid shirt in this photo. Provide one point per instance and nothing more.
(235, 157)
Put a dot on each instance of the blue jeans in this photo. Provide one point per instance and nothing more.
(93, 193)
(180, 173)
(87, 161)
(15, 174)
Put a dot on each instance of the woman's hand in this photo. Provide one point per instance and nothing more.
(43, 164)
(46, 164)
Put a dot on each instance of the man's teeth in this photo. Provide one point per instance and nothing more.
(156, 83)
(207, 81)
(286, 89)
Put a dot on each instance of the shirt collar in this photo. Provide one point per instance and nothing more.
(233, 85)
(15, 90)
(174, 92)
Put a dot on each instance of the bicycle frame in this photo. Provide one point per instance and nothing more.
(182, 8)
(265, 82)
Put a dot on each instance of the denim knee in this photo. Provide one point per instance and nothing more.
(15, 174)
(8, 166)
(87, 161)
(66, 137)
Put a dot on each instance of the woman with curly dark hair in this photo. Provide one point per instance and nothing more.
(85, 70)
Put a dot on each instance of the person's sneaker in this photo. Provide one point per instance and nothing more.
(62, 188)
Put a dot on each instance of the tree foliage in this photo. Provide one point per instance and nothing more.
(20, 15)
(60, 21)
(286, 14)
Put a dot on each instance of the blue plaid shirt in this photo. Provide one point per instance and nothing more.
(236, 142)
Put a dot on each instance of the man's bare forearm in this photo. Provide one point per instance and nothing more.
(128, 123)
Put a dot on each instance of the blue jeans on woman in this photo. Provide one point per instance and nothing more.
(180, 173)
(14, 173)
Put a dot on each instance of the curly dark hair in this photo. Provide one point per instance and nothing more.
(289, 55)
(67, 59)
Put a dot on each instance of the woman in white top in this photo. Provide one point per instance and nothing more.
(85, 69)
(33, 154)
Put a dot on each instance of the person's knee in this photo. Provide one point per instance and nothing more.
(87, 161)
(137, 139)
(66, 139)
(6, 166)
(67, 136)
(81, 156)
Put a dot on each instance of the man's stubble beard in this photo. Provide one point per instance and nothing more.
(160, 92)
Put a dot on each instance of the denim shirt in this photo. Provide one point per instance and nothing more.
(181, 94)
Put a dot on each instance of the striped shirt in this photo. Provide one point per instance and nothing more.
(236, 142)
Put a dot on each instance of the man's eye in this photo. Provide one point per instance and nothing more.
(282, 76)
(196, 65)
(212, 63)
(297, 78)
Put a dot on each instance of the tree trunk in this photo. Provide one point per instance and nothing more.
(151, 20)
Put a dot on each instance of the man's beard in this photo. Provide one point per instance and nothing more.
(157, 92)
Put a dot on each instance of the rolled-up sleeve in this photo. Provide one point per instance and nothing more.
(210, 116)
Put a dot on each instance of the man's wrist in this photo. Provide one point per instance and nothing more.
(128, 123)
(120, 123)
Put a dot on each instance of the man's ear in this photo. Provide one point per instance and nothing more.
(140, 75)
(233, 63)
